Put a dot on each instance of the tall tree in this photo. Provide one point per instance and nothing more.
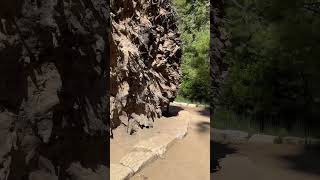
(195, 27)
(274, 67)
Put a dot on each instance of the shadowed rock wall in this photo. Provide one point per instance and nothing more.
(220, 41)
(53, 89)
(145, 61)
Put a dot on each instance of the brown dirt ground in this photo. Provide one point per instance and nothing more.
(188, 159)
(266, 162)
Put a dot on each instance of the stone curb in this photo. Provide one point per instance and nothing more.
(240, 137)
(145, 152)
(157, 145)
(188, 104)
(229, 136)
(293, 140)
(120, 172)
(137, 159)
(183, 131)
(262, 139)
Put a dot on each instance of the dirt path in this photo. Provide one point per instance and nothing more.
(188, 159)
(265, 162)
(123, 143)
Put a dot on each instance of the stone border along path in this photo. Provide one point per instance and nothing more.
(240, 137)
(188, 104)
(145, 152)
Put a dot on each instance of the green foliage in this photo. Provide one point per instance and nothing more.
(194, 26)
(185, 100)
(274, 59)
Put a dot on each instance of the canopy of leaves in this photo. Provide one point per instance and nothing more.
(195, 33)
(274, 66)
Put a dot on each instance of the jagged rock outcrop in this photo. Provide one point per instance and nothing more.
(145, 61)
(220, 41)
(53, 89)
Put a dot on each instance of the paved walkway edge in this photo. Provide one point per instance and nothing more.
(241, 137)
(188, 104)
(146, 152)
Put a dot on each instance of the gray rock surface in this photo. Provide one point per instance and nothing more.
(262, 139)
(220, 41)
(157, 144)
(229, 136)
(145, 61)
(53, 89)
(120, 172)
(313, 141)
(293, 140)
(136, 160)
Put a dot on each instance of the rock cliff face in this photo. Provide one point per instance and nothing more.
(220, 41)
(145, 61)
(55, 81)
(53, 89)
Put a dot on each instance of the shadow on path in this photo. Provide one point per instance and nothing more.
(203, 126)
(217, 152)
(204, 112)
(306, 161)
(173, 111)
